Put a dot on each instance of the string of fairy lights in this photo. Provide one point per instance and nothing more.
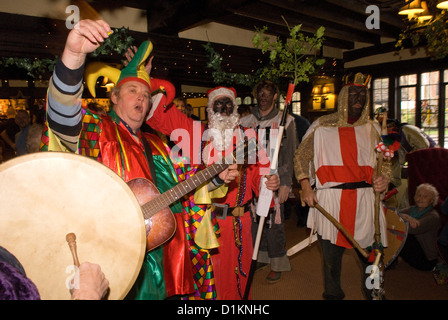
(194, 66)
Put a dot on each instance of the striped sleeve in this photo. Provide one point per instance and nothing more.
(64, 104)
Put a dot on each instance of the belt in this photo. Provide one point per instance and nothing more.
(239, 211)
(352, 185)
(223, 210)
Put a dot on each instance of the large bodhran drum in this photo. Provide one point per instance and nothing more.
(45, 196)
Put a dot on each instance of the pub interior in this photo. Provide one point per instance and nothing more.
(199, 45)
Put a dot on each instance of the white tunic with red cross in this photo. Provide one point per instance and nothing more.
(345, 155)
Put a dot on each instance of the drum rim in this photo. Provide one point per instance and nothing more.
(20, 160)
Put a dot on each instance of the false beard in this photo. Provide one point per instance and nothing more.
(222, 128)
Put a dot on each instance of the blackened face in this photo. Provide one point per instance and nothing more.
(357, 96)
(223, 106)
(265, 99)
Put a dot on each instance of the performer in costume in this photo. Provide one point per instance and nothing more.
(339, 151)
(231, 253)
(116, 139)
(267, 116)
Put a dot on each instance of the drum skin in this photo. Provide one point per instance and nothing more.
(397, 231)
(47, 195)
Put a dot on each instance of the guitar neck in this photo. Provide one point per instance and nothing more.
(168, 197)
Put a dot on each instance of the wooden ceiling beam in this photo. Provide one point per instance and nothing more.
(176, 16)
(322, 11)
(279, 30)
(273, 14)
(388, 16)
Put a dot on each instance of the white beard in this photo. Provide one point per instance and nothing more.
(221, 128)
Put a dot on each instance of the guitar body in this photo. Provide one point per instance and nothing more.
(162, 225)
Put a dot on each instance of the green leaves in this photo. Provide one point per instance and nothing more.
(35, 68)
(119, 41)
(294, 58)
(220, 77)
(433, 35)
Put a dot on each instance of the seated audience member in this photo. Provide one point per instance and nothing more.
(420, 249)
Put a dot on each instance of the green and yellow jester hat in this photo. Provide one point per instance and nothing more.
(134, 71)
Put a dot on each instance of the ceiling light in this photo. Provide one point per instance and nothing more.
(442, 4)
(411, 9)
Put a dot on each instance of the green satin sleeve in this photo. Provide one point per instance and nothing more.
(166, 179)
(150, 284)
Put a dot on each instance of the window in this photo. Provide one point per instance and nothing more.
(247, 100)
(380, 93)
(419, 101)
(429, 90)
(445, 108)
(408, 97)
(296, 103)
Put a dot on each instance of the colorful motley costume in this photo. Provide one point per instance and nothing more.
(109, 140)
(232, 258)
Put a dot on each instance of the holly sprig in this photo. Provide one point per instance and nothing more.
(118, 42)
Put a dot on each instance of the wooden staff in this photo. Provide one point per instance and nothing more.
(378, 173)
(262, 212)
(71, 240)
(341, 228)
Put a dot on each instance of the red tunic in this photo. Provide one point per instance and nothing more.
(232, 259)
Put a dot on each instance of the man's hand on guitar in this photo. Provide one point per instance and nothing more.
(229, 174)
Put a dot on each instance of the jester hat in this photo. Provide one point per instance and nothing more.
(134, 71)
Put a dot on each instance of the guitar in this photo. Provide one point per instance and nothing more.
(159, 220)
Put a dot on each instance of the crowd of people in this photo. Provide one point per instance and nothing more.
(332, 160)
